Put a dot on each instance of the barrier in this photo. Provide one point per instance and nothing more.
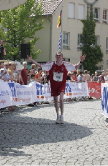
(94, 89)
(15, 94)
(104, 99)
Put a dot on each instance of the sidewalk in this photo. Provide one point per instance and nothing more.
(29, 136)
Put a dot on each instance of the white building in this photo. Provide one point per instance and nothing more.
(9, 4)
(72, 13)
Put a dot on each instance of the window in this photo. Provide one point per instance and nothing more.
(96, 14)
(106, 62)
(106, 44)
(79, 41)
(71, 10)
(97, 40)
(105, 13)
(66, 40)
(81, 12)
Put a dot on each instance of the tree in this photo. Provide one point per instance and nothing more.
(19, 26)
(89, 47)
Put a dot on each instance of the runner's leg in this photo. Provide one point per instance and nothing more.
(62, 107)
(62, 103)
(56, 104)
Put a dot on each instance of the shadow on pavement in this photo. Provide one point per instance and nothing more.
(26, 131)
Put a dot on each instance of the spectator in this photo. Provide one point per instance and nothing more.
(106, 76)
(24, 74)
(39, 76)
(95, 77)
(32, 78)
(80, 77)
(33, 69)
(2, 73)
(46, 77)
(68, 76)
(74, 76)
(86, 76)
(2, 50)
(8, 76)
(101, 78)
(6, 65)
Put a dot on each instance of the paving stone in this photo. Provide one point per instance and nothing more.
(29, 136)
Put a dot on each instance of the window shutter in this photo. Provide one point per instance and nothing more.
(80, 11)
(71, 10)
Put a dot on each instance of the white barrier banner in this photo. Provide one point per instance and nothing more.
(43, 92)
(5, 95)
(15, 94)
(74, 89)
(22, 94)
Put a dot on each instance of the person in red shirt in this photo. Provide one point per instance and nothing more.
(38, 76)
(74, 76)
(57, 75)
(24, 74)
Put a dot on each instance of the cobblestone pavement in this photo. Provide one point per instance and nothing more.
(29, 136)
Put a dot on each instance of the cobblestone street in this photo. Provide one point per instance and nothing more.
(29, 136)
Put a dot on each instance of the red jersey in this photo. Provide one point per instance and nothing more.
(57, 76)
(24, 73)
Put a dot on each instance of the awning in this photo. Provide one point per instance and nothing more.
(9, 4)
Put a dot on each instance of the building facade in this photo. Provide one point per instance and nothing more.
(9, 4)
(73, 11)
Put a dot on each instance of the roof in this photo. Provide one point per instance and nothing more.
(49, 6)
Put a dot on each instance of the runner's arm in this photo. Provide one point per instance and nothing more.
(47, 66)
(72, 67)
(82, 58)
(32, 60)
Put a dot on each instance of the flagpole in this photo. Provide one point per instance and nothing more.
(59, 25)
(61, 31)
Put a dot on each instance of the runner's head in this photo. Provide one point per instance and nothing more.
(59, 56)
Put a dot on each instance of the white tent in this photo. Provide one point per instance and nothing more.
(9, 4)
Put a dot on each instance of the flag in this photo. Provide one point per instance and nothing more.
(59, 20)
(60, 42)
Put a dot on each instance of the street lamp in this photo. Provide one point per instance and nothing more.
(90, 4)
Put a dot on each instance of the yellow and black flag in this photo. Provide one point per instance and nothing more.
(59, 20)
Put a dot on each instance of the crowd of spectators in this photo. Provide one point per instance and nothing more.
(24, 74)
(85, 76)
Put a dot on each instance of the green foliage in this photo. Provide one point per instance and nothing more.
(88, 32)
(93, 57)
(19, 26)
(90, 49)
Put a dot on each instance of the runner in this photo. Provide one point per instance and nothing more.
(57, 74)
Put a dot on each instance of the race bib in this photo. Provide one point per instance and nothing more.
(57, 76)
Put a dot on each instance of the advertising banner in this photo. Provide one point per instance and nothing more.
(94, 89)
(104, 98)
(15, 94)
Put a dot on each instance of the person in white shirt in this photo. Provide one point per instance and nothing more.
(106, 75)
